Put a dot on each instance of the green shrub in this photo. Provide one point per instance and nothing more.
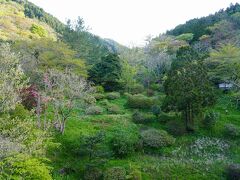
(137, 89)
(115, 173)
(113, 95)
(39, 30)
(99, 96)
(20, 112)
(91, 144)
(135, 174)
(99, 89)
(94, 110)
(124, 143)
(150, 92)
(24, 167)
(155, 87)
(210, 119)
(140, 101)
(141, 118)
(8, 147)
(156, 110)
(156, 138)
(113, 109)
(176, 127)
(235, 99)
(232, 131)
(164, 117)
(25, 134)
(233, 172)
(185, 37)
(90, 100)
(138, 118)
(104, 102)
(127, 94)
(93, 174)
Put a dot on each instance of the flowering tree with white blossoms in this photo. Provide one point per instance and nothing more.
(64, 91)
(12, 78)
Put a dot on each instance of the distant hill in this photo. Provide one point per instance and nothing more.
(200, 26)
(115, 46)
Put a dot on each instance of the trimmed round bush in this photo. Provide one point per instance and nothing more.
(210, 119)
(135, 174)
(150, 92)
(164, 117)
(141, 118)
(176, 128)
(154, 138)
(138, 118)
(124, 143)
(90, 100)
(113, 109)
(94, 110)
(99, 96)
(113, 95)
(126, 94)
(155, 87)
(137, 89)
(104, 102)
(140, 101)
(93, 174)
(115, 173)
(232, 131)
(156, 110)
(233, 172)
(99, 89)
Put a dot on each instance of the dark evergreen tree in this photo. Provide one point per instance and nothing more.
(184, 55)
(188, 90)
(107, 72)
(88, 46)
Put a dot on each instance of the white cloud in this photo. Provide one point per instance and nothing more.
(130, 21)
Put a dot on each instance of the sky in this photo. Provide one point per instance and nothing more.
(129, 22)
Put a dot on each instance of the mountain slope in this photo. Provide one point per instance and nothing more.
(200, 26)
(87, 45)
(15, 26)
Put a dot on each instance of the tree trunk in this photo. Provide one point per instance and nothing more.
(39, 111)
(62, 127)
(189, 122)
(185, 118)
(45, 118)
(63, 124)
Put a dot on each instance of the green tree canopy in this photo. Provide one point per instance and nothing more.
(128, 76)
(42, 54)
(188, 90)
(107, 72)
(224, 64)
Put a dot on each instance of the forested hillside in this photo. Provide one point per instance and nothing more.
(75, 33)
(76, 106)
(205, 25)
